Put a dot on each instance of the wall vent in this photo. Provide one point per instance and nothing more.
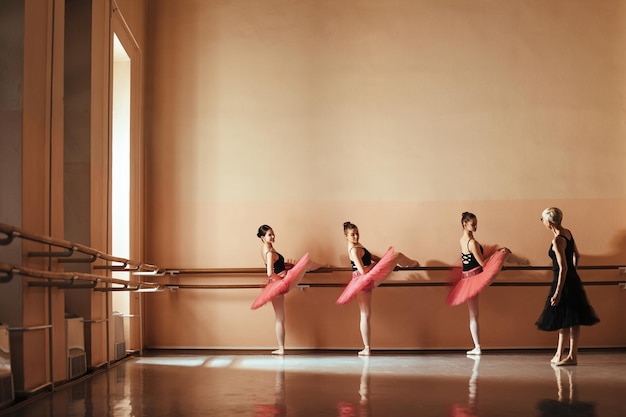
(7, 392)
(77, 362)
(119, 341)
(120, 350)
(75, 340)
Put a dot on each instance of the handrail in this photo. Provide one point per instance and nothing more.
(174, 287)
(30, 328)
(69, 249)
(245, 271)
(68, 280)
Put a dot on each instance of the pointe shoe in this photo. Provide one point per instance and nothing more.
(365, 352)
(567, 362)
(475, 351)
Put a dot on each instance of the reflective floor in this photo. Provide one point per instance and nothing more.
(344, 385)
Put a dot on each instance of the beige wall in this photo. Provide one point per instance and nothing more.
(306, 114)
(396, 116)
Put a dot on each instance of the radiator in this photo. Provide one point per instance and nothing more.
(7, 392)
(119, 342)
(75, 340)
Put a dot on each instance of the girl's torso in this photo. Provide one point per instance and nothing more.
(279, 263)
(366, 259)
(468, 260)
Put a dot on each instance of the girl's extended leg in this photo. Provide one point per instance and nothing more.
(472, 303)
(279, 310)
(364, 299)
(404, 261)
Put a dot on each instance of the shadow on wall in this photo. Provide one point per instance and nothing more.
(617, 255)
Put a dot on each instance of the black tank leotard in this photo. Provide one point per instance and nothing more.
(279, 265)
(366, 259)
(468, 259)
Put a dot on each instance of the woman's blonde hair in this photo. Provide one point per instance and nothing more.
(552, 215)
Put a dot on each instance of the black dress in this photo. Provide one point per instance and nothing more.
(573, 308)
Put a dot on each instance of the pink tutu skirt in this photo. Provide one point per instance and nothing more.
(381, 270)
(467, 284)
(459, 411)
(277, 286)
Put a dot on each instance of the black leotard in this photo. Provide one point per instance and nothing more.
(279, 265)
(366, 259)
(468, 259)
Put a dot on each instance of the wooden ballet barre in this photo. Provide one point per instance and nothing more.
(30, 328)
(69, 280)
(175, 287)
(246, 271)
(69, 249)
(227, 271)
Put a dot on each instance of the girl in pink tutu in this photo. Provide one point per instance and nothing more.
(282, 276)
(479, 269)
(368, 270)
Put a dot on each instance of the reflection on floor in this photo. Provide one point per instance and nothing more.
(344, 385)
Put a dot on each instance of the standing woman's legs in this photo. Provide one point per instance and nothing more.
(573, 344)
(559, 347)
(364, 299)
(574, 333)
(278, 303)
(472, 303)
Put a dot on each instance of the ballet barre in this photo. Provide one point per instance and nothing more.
(399, 284)
(75, 280)
(68, 250)
(325, 270)
(391, 284)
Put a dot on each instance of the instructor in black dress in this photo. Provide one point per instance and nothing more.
(567, 307)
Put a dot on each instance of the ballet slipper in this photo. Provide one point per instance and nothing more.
(475, 351)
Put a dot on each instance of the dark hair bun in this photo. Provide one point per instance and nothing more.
(262, 230)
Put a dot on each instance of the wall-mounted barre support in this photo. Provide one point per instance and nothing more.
(83, 260)
(7, 239)
(65, 284)
(123, 267)
(6, 276)
(66, 253)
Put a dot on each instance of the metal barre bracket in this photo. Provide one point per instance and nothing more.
(67, 284)
(8, 239)
(64, 254)
(88, 260)
(8, 276)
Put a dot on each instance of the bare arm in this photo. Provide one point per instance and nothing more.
(270, 258)
(576, 254)
(474, 248)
